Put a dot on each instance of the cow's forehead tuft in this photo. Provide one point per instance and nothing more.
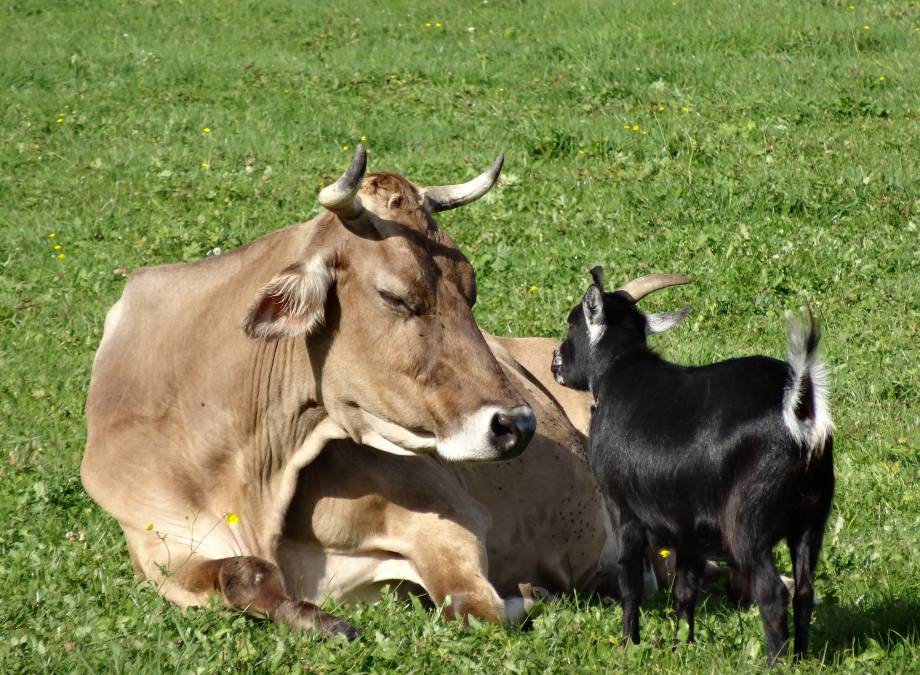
(390, 184)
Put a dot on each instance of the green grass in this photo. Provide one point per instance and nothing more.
(770, 160)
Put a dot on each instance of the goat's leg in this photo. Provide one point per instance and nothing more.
(687, 580)
(804, 548)
(632, 550)
(772, 598)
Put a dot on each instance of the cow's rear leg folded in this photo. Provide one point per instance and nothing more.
(254, 585)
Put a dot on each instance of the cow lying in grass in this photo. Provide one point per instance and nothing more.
(721, 460)
(234, 403)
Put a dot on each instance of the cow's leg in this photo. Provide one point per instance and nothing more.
(452, 562)
(461, 575)
(254, 585)
(244, 582)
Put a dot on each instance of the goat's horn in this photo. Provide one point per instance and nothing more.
(444, 197)
(341, 196)
(639, 288)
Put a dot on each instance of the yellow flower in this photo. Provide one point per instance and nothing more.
(501, 89)
(866, 27)
(437, 24)
(206, 131)
(852, 8)
(60, 119)
(205, 165)
(635, 127)
(581, 151)
(52, 235)
(232, 518)
(346, 148)
(881, 78)
(685, 109)
(427, 24)
(664, 553)
(58, 247)
(533, 289)
(148, 526)
(60, 256)
(364, 139)
(626, 126)
(661, 108)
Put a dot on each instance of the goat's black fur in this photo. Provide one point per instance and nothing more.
(703, 460)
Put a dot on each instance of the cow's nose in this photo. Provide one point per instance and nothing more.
(512, 430)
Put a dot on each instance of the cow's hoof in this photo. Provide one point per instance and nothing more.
(534, 595)
(307, 616)
(339, 627)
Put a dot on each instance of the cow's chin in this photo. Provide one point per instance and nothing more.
(471, 443)
(394, 439)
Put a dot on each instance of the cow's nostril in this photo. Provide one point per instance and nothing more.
(512, 430)
(504, 433)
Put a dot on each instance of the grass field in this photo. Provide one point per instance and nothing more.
(768, 149)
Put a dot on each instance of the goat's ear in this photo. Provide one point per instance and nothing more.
(593, 306)
(658, 323)
(597, 276)
(292, 303)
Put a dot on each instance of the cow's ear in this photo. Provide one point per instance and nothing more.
(658, 323)
(292, 303)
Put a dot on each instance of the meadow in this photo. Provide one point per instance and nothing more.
(768, 149)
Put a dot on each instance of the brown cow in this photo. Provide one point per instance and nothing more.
(356, 326)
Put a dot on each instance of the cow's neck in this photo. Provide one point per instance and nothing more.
(285, 427)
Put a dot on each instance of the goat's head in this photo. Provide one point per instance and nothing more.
(610, 324)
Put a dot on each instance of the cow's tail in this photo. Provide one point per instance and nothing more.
(806, 409)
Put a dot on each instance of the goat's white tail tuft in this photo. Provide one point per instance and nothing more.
(806, 410)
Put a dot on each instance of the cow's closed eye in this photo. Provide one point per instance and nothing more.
(395, 302)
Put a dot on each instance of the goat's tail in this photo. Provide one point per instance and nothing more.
(806, 410)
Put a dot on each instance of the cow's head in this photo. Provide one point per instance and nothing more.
(384, 297)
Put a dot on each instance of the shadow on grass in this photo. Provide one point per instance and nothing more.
(848, 628)
(838, 629)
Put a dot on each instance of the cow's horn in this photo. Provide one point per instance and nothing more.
(445, 197)
(341, 196)
(639, 288)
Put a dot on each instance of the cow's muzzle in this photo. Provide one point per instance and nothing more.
(490, 434)
(512, 430)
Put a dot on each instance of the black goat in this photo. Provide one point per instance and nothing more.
(717, 461)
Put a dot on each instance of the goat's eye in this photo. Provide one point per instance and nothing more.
(395, 302)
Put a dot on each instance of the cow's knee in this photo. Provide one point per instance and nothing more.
(251, 583)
